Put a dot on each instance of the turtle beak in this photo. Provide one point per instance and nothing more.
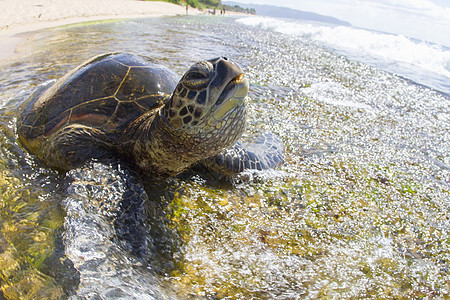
(229, 81)
(232, 96)
(236, 88)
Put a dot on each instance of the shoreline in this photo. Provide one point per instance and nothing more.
(16, 28)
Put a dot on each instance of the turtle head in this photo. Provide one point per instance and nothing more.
(209, 102)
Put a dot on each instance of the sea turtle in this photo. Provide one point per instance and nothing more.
(124, 105)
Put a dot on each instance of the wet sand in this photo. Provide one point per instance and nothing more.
(19, 17)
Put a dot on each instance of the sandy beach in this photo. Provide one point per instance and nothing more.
(22, 16)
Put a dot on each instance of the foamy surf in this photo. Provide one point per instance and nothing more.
(420, 61)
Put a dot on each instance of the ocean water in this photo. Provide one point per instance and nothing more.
(359, 209)
(420, 61)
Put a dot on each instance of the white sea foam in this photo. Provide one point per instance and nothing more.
(394, 53)
(335, 94)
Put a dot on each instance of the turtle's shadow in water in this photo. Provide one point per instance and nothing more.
(165, 241)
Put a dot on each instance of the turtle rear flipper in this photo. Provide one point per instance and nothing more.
(265, 152)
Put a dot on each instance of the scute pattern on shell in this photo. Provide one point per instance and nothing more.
(105, 92)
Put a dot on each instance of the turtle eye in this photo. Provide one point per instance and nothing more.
(196, 76)
(196, 80)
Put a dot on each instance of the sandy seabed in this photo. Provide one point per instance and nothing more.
(21, 16)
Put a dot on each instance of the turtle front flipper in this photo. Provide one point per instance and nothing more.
(265, 152)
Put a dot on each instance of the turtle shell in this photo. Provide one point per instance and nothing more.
(107, 92)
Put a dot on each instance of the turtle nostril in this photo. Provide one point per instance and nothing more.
(225, 58)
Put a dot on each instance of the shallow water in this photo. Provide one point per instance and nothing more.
(360, 209)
